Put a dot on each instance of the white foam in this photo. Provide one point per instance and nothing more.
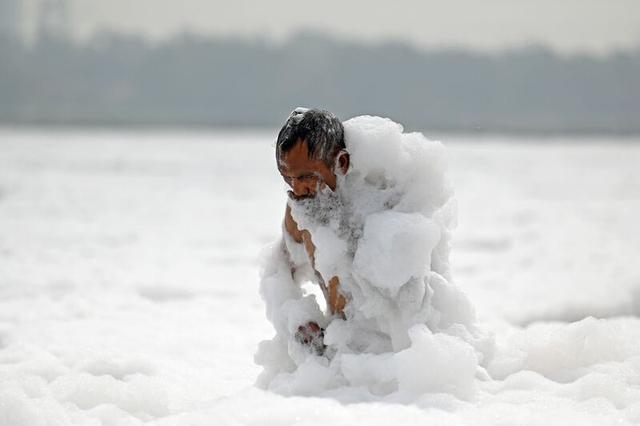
(90, 221)
(385, 233)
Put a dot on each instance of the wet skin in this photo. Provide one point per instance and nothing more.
(305, 176)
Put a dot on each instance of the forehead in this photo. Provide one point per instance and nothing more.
(297, 159)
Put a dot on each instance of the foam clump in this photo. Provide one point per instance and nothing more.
(385, 232)
(565, 352)
(395, 247)
(37, 388)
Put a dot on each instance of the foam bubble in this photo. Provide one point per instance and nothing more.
(385, 233)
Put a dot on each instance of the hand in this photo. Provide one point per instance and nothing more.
(312, 336)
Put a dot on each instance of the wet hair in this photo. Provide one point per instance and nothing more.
(321, 129)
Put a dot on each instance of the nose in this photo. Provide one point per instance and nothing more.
(299, 187)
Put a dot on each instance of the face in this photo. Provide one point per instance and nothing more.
(305, 176)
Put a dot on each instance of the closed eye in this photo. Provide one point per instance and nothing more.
(305, 177)
(287, 179)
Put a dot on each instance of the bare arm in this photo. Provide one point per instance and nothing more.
(291, 226)
(335, 300)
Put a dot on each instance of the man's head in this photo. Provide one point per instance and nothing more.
(310, 151)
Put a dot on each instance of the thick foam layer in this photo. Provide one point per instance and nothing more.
(385, 233)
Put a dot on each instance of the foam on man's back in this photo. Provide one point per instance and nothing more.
(385, 234)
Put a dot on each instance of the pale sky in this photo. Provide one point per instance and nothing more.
(567, 25)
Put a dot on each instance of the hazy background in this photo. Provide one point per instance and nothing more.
(138, 186)
(494, 66)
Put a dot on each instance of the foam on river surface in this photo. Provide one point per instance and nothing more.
(128, 286)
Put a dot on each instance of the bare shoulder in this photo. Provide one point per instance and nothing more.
(291, 226)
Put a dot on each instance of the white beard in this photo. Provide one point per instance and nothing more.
(321, 210)
(330, 209)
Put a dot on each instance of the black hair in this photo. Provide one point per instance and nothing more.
(321, 129)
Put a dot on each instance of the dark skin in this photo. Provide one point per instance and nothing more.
(305, 176)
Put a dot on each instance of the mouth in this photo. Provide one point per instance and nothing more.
(298, 197)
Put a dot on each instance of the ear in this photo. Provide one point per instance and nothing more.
(342, 161)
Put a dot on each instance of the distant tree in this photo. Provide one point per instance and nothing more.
(121, 79)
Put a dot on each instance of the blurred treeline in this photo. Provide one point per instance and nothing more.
(188, 80)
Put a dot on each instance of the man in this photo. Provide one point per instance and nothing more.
(310, 153)
(368, 218)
